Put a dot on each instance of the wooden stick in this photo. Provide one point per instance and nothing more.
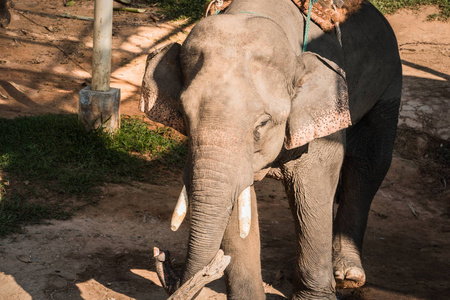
(69, 16)
(214, 270)
(130, 9)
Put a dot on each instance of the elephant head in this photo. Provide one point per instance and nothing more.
(241, 95)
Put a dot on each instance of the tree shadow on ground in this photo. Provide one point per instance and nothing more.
(72, 51)
(54, 157)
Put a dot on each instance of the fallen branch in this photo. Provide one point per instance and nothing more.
(69, 16)
(170, 281)
(130, 9)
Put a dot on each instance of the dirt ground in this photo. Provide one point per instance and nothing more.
(104, 251)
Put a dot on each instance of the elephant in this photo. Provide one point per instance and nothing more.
(254, 104)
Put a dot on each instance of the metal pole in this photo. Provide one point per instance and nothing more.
(101, 58)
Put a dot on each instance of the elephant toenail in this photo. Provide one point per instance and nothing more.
(338, 275)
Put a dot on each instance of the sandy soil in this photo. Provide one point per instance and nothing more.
(104, 251)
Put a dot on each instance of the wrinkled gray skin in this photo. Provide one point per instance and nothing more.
(5, 16)
(243, 87)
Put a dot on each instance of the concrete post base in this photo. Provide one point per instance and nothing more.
(99, 109)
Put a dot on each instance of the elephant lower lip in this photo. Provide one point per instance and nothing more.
(258, 176)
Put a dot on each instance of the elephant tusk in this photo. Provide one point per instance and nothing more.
(180, 210)
(245, 212)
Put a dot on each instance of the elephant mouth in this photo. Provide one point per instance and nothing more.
(244, 209)
(258, 176)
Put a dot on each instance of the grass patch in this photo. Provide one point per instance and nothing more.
(51, 158)
(160, 144)
(180, 9)
(391, 6)
(17, 211)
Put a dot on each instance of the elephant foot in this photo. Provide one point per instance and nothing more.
(313, 296)
(348, 273)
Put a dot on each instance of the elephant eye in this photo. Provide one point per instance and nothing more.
(263, 123)
(257, 131)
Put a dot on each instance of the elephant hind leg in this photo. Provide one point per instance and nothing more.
(368, 157)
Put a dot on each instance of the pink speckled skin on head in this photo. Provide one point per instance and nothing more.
(160, 98)
(310, 118)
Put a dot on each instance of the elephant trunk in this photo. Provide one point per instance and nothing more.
(215, 181)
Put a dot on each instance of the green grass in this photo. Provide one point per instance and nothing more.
(17, 211)
(179, 9)
(44, 159)
(391, 6)
(160, 144)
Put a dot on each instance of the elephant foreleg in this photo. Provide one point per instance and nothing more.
(310, 183)
(243, 275)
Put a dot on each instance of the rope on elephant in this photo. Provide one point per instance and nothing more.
(214, 7)
(308, 21)
(337, 28)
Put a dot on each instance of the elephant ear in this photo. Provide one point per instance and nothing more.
(161, 87)
(320, 105)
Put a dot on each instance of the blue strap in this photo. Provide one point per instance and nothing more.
(308, 20)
